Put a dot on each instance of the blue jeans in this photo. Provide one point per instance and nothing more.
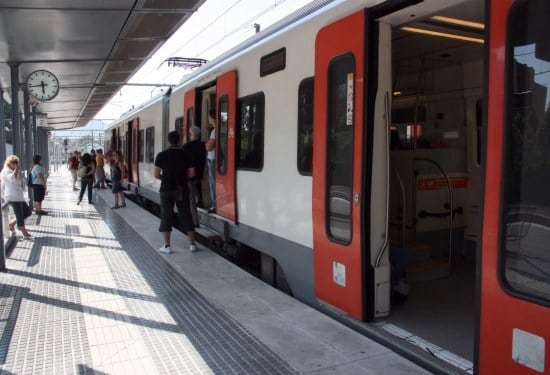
(212, 181)
(86, 183)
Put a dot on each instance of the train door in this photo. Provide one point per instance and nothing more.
(131, 152)
(514, 327)
(189, 113)
(226, 94)
(338, 175)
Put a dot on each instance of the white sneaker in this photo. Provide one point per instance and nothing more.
(192, 248)
(165, 250)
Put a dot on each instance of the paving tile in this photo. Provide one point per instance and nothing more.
(89, 296)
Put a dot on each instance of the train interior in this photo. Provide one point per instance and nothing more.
(435, 174)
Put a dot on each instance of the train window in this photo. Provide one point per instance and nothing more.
(178, 123)
(524, 255)
(141, 145)
(305, 127)
(150, 144)
(222, 137)
(250, 137)
(340, 147)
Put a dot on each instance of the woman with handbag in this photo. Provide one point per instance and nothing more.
(13, 192)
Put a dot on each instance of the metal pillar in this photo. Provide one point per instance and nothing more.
(43, 148)
(2, 158)
(16, 128)
(2, 129)
(34, 133)
(27, 128)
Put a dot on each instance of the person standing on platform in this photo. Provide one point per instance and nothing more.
(72, 164)
(173, 167)
(86, 172)
(118, 173)
(99, 170)
(13, 192)
(195, 147)
(38, 179)
(93, 155)
(211, 160)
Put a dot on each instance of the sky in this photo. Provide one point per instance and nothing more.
(217, 26)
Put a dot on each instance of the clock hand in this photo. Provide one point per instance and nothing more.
(43, 90)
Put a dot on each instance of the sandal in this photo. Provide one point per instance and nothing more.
(12, 228)
(123, 205)
(115, 207)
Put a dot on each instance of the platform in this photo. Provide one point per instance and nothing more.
(92, 295)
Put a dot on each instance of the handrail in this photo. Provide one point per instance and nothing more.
(404, 202)
(450, 195)
(387, 154)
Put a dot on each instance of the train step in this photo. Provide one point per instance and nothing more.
(430, 270)
(209, 234)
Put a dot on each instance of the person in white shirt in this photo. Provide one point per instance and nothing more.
(13, 192)
(211, 160)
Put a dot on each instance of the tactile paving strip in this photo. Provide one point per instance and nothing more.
(89, 296)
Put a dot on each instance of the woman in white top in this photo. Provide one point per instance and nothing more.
(13, 192)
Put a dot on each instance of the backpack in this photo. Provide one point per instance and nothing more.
(29, 178)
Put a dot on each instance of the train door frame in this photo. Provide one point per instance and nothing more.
(131, 130)
(338, 236)
(367, 269)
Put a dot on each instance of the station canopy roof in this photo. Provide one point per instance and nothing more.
(93, 47)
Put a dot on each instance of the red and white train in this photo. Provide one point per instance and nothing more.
(356, 128)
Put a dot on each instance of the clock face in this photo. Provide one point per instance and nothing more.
(42, 85)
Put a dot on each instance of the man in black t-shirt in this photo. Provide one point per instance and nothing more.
(173, 167)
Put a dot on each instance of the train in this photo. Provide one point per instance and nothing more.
(369, 150)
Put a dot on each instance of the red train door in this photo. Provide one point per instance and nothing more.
(189, 111)
(134, 174)
(338, 171)
(514, 326)
(226, 94)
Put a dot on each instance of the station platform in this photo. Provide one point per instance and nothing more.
(90, 294)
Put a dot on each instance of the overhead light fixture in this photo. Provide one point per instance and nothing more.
(442, 34)
(457, 21)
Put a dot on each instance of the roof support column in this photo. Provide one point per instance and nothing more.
(15, 124)
(2, 128)
(27, 128)
(33, 131)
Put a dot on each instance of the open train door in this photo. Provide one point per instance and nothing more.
(131, 130)
(338, 167)
(226, 94)
(189, 113)
(133, 149)
(514, 324)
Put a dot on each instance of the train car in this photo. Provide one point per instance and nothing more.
(388, 162)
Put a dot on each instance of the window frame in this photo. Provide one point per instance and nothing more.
(303, 169)
(333, 125)
(257, 99)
